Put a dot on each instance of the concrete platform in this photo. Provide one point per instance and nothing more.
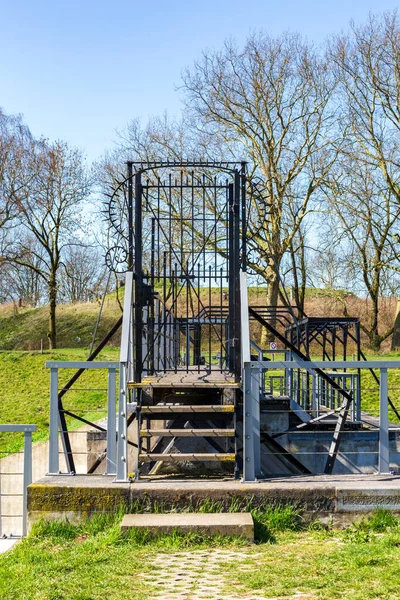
(7, 543)
(230, 524)
(333, 498)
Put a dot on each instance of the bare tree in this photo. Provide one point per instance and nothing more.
(83, 275)
(271, 102)
(14, 136)
(50, 212)
(366, 225)
(20, 284)
(367, 68)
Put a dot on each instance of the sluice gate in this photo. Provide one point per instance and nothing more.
(198, 395)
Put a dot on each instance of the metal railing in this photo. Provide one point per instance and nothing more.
(116, 452)
(324, 438)
(11, 486)
(55, 412)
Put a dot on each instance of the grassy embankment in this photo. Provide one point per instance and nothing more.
(24, 380)
(290, 559)
(25, 385)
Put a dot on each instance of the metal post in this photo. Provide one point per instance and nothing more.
(383, 423)
(27, 479)
(111, 462)
(255, 404)
(138, 330)
(54, 468)
(249, 469)
(122, 445)
(130, 216)
(251, 423)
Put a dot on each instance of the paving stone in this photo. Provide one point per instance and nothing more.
(199, 575)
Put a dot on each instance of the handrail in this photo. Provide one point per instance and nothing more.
(27, 430)
(252, 371)
(244, 318)
(127, 318)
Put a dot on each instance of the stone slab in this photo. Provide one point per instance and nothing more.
(231, 524)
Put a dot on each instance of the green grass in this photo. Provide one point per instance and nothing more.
(60, 561)
(25, 396)
(25, 328)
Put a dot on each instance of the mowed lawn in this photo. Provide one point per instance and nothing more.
(59, 561)
(25, 391)
(25, 385)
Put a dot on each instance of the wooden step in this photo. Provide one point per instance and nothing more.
(190, 408)
(181, 457)
(184, 384)
(146, 433)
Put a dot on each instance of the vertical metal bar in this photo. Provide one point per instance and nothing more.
(244, 217)
(130, 216)
(122, 444)
(157, 363)
(151, 340)
(27, 479)
(138, 329)
(236, 275)
(209, 315)
(145, 341)
(54, 468)
(221, 326)
(158, 227)
(187, 319)
(111, 462)
(164, 324)
(249, 468)
(383, 423)
(256, 375)
(230, 278)
(215, 226)
(171, 341)
(245, 322)
(198, 314)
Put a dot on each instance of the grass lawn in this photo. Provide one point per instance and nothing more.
(94, 561)
(25, 391)
(25, 384)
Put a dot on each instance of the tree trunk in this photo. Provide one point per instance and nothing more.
(52, 335)
(272, 300)
(396, 330)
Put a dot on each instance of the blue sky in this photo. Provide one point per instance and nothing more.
(77, 70)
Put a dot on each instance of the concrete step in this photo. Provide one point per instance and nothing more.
(232, 524)
(146, 433)
(184, 457)
(190, 408)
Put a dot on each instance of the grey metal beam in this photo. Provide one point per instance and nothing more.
(69, 364)
(27, 477)
(54, 467)
(249, 463)
(339, 364)
(384, 466)
(11, 428)
(122, 444)
(111, 461)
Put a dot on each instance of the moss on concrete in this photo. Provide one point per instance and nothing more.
(49, 498)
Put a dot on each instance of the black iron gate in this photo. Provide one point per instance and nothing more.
(186, 246)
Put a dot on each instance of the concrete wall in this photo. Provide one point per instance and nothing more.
(358, 451)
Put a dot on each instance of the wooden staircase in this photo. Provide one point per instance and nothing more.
(186, 418)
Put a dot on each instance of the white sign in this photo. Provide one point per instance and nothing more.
(273, 346)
